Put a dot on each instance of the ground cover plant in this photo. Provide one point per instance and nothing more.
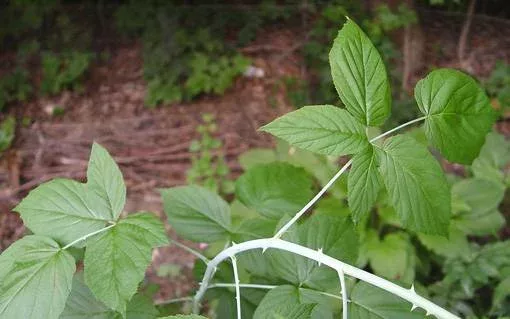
(383, 214)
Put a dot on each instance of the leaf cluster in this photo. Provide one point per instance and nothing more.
(38, 273)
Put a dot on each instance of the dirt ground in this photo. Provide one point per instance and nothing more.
(151, 146)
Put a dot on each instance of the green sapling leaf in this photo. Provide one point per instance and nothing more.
(323, 129)
(66, 210)
(285, 302)
(35, 279)
(364, 183)
(359, 76)
(368, 301)
(416, 185)
(197, 214)
(105, 178)
(274, 189)
(458, 113)
(116, 260)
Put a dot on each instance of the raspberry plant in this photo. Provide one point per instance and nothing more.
(307, 267)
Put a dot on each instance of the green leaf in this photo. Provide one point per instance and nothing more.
(256, 156)
(416, 185)
(116, 260)
(501, 293)
(494, 156)
(456, 245)
(37, 279)
(284, 302)
(480, 195)
(105, 178)
(487, 223)
(457, 112)
(367, 301)
(393, 258)
(323, 129)
(334, 235)
(82, 304)
(483, 197)
(197, 214)
(63, 210)
(141, 307)
(184, 317)
(274, 189)
(364, 183)
(359, 76)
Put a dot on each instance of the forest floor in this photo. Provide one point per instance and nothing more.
(151, 145)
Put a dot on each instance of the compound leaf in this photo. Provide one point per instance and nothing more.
(275, 189)
(105, 178)
(416, 185)
(37, 279)
(323, 129)
(364, 183)
(116, 260)
(359, 76)
(197, 214)
(367, 301)
(458, 113)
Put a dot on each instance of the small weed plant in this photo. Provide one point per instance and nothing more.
(266, 260)
(208, 165)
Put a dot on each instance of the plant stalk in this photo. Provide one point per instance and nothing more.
(87, 236)
(406, 294)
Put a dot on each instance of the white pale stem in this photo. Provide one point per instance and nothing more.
(334, 178)
(87, 236)
(312, 201)
(345, 310)
(236, 282)
(406, 294)
(266, 287)
(190, 250)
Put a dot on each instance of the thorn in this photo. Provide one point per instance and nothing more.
(265, 247)
(414, 307)
(412, 289)
(320, 253)
(427, 314)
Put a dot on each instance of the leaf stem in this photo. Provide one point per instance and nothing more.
(236, 282)
(397, 128)
(266, 287)
(334, 178)
(343, 288)
(190, 250)
(175, 300)
(312, 201)
(85, 237)
(407, 294)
